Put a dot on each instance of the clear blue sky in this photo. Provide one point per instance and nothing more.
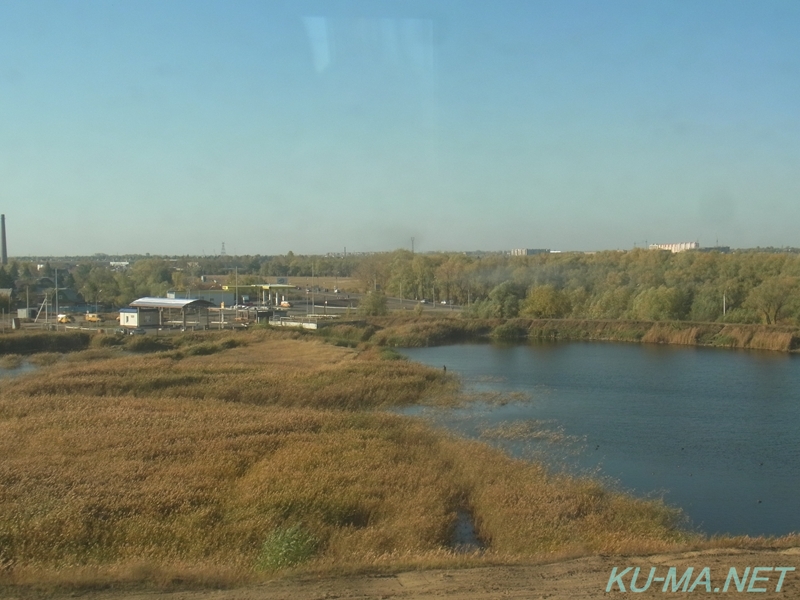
(170, 127)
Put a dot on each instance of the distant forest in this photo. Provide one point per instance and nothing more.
(741, 286)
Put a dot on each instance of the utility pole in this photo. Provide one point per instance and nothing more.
(412, 245)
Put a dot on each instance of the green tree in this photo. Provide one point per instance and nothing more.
(99, 285)
(373, 272)
(545, 302)
(772, 297)
(423, 268)
(373, 304)
(401, 281)
(661, 304)
(6, 280)
(449, 274)
(707, 304)
(612, 304)
(503, 302)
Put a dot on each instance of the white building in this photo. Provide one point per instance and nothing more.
(529, 251)
(681, 247)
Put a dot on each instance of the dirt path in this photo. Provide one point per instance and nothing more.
(578, 579)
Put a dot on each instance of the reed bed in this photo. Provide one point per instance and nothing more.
(521, 509)
(351, 384)
(106, 482)
(10, 361)
(426, 331)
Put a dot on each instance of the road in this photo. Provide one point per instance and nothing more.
(585, 578)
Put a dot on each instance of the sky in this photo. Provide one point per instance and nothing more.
(144, 126)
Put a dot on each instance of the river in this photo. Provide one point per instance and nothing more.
(715, 432)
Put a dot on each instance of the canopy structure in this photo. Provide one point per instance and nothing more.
(150, 311)
(264, 289)
(178, 303)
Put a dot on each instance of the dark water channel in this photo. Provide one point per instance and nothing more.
(716, 432)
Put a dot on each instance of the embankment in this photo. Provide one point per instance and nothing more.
(46, 341)
(426, 331)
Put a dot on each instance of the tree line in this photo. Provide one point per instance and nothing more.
(740, 286)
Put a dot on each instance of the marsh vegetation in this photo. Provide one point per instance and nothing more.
(222, 459)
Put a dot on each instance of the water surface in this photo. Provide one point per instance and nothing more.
(715, 431)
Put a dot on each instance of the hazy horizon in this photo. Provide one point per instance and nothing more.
(169, 128)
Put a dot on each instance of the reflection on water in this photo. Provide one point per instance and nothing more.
(465, 538)
(714, 431)
(16, 370)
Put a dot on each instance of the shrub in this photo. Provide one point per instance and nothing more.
(373, 304)
(202, 349)
(286, 547)
(391, 354)
(509, 331)
(146, 344)
(103, 341)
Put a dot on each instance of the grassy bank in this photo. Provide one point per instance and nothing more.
(409, 331)
(215, 468)
(46, 341)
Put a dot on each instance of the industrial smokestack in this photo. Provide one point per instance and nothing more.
(4, 252)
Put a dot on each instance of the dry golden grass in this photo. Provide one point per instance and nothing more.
(526, 431)
(521, 509)
(760, 338)
(102, 481)
(270, 370)
(10, 361)
(664, 334)
(415, 331)
(217, 469)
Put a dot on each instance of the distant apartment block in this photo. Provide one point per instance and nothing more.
(529, 251)
(681, 247)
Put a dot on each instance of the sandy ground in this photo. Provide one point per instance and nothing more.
(577, 579)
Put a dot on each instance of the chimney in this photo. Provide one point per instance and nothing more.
(3, 252)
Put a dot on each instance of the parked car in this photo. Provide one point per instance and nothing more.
(137, 331)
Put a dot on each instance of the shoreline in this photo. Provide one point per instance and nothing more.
(415, 332)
